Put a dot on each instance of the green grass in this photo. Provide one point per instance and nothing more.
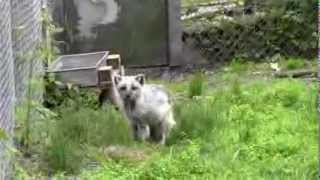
(196, 85)
(64, 143)
(266, 130)
(242, 126)
(79, 128)
(292, 64)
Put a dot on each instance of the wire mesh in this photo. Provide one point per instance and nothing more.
(6, 85)
(26, 20)
(20, 36)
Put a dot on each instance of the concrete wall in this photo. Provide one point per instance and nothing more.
(145, 32)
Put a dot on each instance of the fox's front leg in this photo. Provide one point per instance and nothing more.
(140, 131)
(158, 133)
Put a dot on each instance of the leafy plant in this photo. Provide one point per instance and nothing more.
(49, 47)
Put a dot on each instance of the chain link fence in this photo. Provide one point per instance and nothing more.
(27, 32)
(20, 37)
(6, 84)
(250, 29)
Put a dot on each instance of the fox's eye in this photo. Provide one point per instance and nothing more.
(123, 88)
(134, 88)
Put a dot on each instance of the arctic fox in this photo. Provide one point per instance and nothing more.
(148, 107)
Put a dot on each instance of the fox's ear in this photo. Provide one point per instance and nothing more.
(117, 79)
(140, 78)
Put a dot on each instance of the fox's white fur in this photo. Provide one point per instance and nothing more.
(147, 106)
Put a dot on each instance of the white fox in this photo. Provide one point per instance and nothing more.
(148, 107)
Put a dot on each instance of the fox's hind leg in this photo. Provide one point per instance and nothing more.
(160, 131)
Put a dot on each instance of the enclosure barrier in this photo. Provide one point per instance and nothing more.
(6, 84)
(20, 35)
(26, 36)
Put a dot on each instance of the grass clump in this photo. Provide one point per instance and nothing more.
(63, 138)
(239, 65)
(197, 85)
(292, 64)
(78, 128)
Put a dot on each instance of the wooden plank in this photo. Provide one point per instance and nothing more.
(114, 60)
(104, 79)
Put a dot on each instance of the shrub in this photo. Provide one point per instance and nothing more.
(287, 27)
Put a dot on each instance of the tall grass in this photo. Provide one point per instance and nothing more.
(78, 128)
(197, 85)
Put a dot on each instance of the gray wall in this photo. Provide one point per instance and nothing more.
(144, 32)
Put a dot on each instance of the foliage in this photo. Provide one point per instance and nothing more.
(30, 107)
(61, 136)
(287, 27)
(48, 49)
(48, 52)
(71, 96)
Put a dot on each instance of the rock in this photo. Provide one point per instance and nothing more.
(122, 152)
